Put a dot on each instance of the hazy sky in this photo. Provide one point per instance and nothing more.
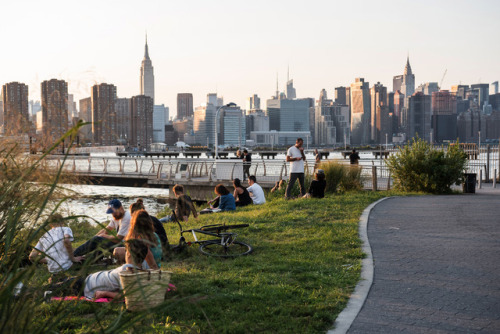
(236, 48)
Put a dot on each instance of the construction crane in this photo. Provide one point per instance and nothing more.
(442, 79)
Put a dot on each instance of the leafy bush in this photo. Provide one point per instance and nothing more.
(421, 167)
(340, 177)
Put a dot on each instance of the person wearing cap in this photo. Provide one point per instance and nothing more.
(111, 235)
(318, 185)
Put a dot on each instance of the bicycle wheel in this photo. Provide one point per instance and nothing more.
(214, 248)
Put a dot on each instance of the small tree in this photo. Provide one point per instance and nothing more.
(421, 167)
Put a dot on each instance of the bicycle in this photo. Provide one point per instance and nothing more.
(225, 245)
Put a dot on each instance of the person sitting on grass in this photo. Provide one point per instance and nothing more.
(225, 201)
(255, 190)
(183, 206)
(54, 247)
(102, 284)
(318, 185)
(279, 185)
(158, 226)
(141, 228)
(106, 238)
(241, 195)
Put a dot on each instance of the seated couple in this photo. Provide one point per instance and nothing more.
(316, 189)
(112, 235)
(225, 201)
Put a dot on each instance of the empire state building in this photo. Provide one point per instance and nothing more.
(147, 76)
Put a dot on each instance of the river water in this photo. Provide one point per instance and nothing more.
(92, 200)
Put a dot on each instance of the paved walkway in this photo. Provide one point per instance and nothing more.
(436, 265)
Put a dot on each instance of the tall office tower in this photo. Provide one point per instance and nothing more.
(419, 116)
(159, 122)
(324, 128)
(104, 115)
(290, 91)
(85, 115)
(184, 129)
(123, 121)
(288, 115)
(72, 111)
(184, 105)
(483, 92)
(360, 112)
(232, 127)
(147, 75)
(253, 102)
(460, 91)
(408, 84)
(469, 124)
(494, 88)
(341, 95)
(203, 124)
(397, 82)
(15, 109)
(444, 116)
(256, 121)
(141, 115)
(379, 113)
(494, 101)
(428, 88)
(34, 107)
(399, 101)
(54, 110)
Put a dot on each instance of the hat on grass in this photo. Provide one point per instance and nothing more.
(114, 204)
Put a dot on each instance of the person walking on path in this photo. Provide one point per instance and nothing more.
(295, 155)
(354, 157)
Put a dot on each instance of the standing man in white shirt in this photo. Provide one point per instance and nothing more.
(255, 190)
(296, 157)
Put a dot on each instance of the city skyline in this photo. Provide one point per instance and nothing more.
(194, 51)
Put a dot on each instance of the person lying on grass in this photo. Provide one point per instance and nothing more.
(102, 284)
(141, 228)
(54, 247)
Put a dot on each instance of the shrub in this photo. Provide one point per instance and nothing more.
(340, 177)
(421, 167)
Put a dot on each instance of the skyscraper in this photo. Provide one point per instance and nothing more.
(104, 115)
(397, 81)
(159, 122)
(232, 126)
(379, 112)
(184, 105)
(123, 121)
(141, 114)
(54, 110)
(483, 92)
(419, 116)
(341, 95)
(253, 102)
(85, 115)
(147, 75)
(360, 112)
(290, 90)
(15, 109)
(444, 116)
(408, 84)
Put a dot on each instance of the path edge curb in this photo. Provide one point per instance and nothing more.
(358, 297)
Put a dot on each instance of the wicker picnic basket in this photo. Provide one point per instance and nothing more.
(144, 289)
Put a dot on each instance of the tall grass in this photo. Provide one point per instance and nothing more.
(341, 178)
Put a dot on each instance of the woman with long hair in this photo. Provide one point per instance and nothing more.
(241, 195)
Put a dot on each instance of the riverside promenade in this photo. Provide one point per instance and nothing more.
(436, 266)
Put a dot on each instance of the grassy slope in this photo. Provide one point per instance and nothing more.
(305, 264)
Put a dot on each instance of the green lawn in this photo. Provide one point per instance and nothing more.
(305, 263)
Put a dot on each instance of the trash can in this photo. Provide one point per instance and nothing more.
(469, 185)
